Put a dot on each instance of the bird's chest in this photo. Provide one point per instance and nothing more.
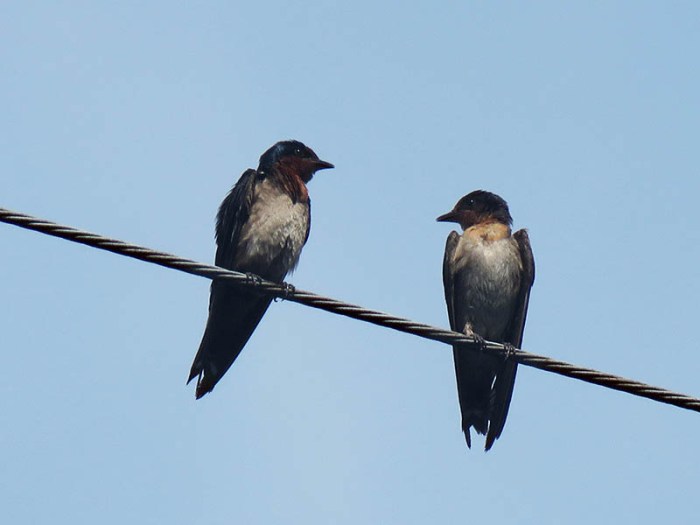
(274, 234)
(487, 282)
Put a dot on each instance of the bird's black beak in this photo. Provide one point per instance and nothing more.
(319, 164)
(450, 216)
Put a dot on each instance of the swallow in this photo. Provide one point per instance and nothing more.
(261, 228)
(487, 273)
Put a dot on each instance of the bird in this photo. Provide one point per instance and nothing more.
(261, 228)
(488, 272)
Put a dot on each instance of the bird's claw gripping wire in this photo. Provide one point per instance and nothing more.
(479, 342)
(509, 351)
(253, 279)
(287, 291)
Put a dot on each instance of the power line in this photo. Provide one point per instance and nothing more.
(289, 293)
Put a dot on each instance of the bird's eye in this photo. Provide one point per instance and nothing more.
(298, 152)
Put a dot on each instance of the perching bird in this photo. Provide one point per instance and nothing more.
(487, 274)
(262, 225)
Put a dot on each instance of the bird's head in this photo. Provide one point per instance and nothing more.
(476, 207)
(294, 156)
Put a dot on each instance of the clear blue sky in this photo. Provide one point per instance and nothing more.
(134, 119)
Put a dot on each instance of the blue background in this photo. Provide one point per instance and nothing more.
(134, 119)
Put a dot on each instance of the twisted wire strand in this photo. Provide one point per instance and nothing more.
(289, 293)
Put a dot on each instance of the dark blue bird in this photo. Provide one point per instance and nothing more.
(487, 273)
(262, 225)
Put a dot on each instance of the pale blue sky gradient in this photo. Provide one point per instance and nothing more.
(134, 119)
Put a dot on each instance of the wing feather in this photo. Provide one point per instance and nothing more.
(233, 214)
(448, 275)
(505, 379)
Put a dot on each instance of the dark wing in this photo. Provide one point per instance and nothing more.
(472, 387)
(233, 316)
(233, 214)
(233, 313)
(448, 275)
(505, 379)
(308, 223)
(526, 280)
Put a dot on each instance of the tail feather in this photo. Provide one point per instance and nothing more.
(233, 316)
(485, 387)
(476, 418)
(474, 379)
(500, 401)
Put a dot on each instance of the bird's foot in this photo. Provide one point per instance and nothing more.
(509, 351)
(287, 291)
(253, 279)
(479, 342)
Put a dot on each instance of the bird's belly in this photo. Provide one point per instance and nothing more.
(489, 282)
(273, 237)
